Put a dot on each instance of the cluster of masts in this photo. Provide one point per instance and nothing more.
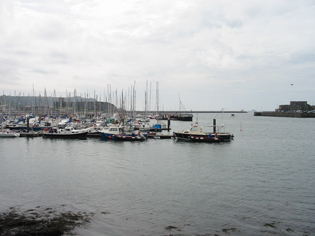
(74, 103)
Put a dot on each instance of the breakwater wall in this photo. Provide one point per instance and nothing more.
(285, 114)
(175, 112)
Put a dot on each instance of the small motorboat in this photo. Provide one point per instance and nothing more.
(196, 133)
(110, 132)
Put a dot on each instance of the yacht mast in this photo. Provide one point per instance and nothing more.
(157, 97)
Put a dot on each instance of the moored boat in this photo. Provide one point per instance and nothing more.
(68, 133)
(110, 132)
(8, 134)
(208, 139)
(196, 133)
(157, 128)
(29, 134)
(81, 135)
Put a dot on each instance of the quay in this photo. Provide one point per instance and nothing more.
(285, 114)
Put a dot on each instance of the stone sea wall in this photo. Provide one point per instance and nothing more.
(285, 114)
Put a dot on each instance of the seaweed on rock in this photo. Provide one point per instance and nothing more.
(41, 223)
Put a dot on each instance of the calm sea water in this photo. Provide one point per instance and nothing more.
(261, 183)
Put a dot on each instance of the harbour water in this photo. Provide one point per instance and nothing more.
(260, 183)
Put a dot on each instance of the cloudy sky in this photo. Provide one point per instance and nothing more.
(211, 54)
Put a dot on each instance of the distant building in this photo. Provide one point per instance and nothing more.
(296, 106)
(284, 108)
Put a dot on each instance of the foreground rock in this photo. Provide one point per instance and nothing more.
(41, 222)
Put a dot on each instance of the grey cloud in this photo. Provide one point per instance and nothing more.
(302, 57)
(39, 71)
(225, 45)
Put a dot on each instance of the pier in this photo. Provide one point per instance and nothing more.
(190, 112)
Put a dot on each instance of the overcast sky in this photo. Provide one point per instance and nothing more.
(227, 54)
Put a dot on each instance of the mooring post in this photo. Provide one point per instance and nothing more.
(168, 124)
(214, 126)
(28, 124)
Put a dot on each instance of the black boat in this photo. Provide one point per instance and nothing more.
(81, 135)
(207, 139)
(197, 134)
(29, 134)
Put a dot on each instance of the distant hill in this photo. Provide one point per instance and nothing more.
(76, 103)
(36, 100)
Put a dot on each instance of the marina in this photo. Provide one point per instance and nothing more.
(109, 122)
(116, 130)
(157, 118)
(259, 183)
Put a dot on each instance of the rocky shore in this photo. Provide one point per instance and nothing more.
(41, 222)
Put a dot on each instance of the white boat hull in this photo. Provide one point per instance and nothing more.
(9, 135)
